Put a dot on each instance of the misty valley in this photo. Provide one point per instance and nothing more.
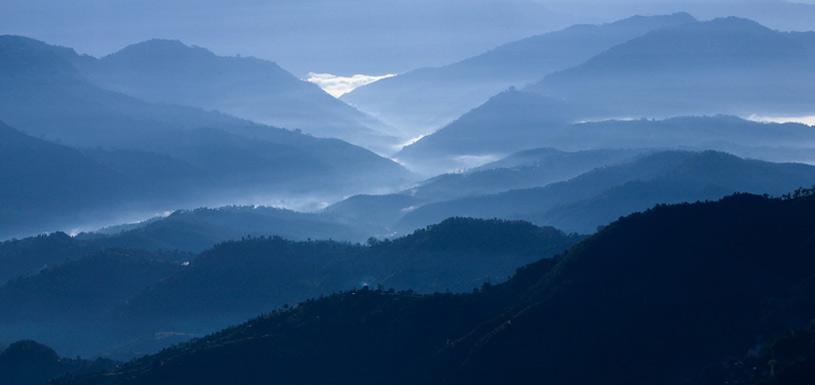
(491, 192)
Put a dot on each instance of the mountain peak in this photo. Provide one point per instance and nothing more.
(162, 48)
(669, 19)
(21, 54)
(29, 351)
(734, 21)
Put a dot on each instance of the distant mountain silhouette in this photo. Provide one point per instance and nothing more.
(45, 79)
(536, 168)
(45, 182)
(378, 214)
(425, 99)
(557, 161)
(520, 120)
(509, 122)
(24, 257)
(597, 197)
(51, 186)
(169, 71)
(45, 93)
(184, 231)
(30, 363)
(199, 229)
(176, 157)
(728, 65)
(727, 133)
(656, 297)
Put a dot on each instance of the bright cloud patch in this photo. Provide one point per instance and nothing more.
(341, 85)
(808, 120)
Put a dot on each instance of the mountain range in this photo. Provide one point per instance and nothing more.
(509, 122)
(656, 297)
(169, 71)
(200, 229)
(599, 196)
(658, 67)
(518, 120)
(140, 157)
(728, 65)
(617, 204)
(148, 300)
(378, 214)
(425, 99)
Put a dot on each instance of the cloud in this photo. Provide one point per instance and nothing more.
(808, 120)
(341, 85)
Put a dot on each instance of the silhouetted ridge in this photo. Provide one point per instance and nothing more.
(425, 99)
(655, 297)
(597, 197)
(727, 65)
(161, 49)
(30, 363)
(89, 299)
(174, 156)
(24, 57)
(509, 122)
(169, 71)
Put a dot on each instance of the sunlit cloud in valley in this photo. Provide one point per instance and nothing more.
(340, 85)
(808, 120)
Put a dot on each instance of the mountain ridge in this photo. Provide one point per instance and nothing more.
(169, 71)
(426, 99)
(610, 296)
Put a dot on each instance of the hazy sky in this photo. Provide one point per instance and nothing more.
(345, 36)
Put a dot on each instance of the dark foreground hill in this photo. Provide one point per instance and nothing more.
(790, 360)
(655, 298)
(69, 306)
(30, 363)
(129, 303)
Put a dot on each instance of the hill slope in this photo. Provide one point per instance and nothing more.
(423, 100)
(730, 65)
(69, 306)
(534, 168)
(200, 229)
(637, 304)
(519, 120)
(600, 196)
(178, 157)
(92, 300)
(509, 122)
(166, 71)
(31, 363)
(237, 280)
(55, 100)
(45, 182)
